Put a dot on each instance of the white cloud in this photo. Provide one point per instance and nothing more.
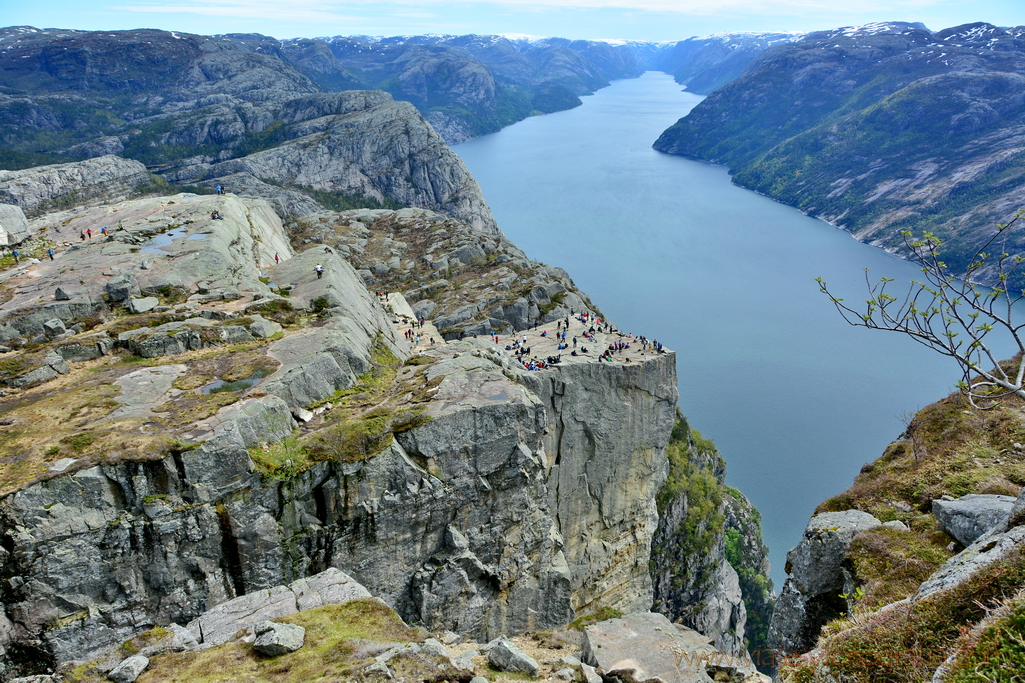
(336, 10)
(297, 10)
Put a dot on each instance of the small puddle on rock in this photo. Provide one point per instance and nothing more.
(220, 386)
(154, 244)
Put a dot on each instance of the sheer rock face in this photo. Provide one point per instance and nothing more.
(610, 426)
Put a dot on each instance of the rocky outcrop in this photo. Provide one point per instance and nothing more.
(969, 517)
(467, 283)
(374, 147)
(520, 543)
(694, 584)
(502, 500)
(106, 178)
(818, 579)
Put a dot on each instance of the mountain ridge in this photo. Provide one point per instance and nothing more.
(877, 129)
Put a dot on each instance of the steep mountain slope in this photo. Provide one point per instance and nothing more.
(878, 129)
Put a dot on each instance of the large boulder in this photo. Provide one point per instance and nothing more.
(817, 579)
(969, 517)
(13, 225)
(121, 287)
(331, 586)
(505, 656)
(129, 670)
(143, 305)
(273, 639)
(648, 647)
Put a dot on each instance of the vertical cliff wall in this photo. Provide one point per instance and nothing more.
(527, 497)
(610, 425)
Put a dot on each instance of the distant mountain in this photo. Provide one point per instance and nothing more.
(222, 110)
(470, 85)
(877, 129)
(175, 100)
(706, 63)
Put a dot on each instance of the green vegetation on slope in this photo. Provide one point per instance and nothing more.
(716, 517)
(906, 642)
(338, 639)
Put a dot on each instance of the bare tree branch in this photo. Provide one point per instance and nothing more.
(953, 316)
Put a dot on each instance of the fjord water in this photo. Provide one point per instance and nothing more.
(796, 400)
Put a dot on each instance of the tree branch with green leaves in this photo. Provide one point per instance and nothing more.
(954, 316)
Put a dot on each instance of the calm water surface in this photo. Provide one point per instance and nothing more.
(796, 399)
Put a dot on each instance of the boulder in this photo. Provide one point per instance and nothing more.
(165, 340)
(274, 639)
(817, 578)
(464, 662)
(648, 647)
(178, 639)
(54, 328)
(93, 346)
(505, 656)
(121, 286)
(53, 365)
(468, 255)
(331, 586)
(235, 334)
(143, 305)
(13, 225)
(128, 670)
(263, 328)
(969, 517)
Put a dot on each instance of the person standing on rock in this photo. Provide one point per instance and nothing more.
(49, 252)
(277, 259)
(17, 256)
(81, 233)
(89, 232)
(320, 270)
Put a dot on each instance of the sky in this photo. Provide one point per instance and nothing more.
(577, 19)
